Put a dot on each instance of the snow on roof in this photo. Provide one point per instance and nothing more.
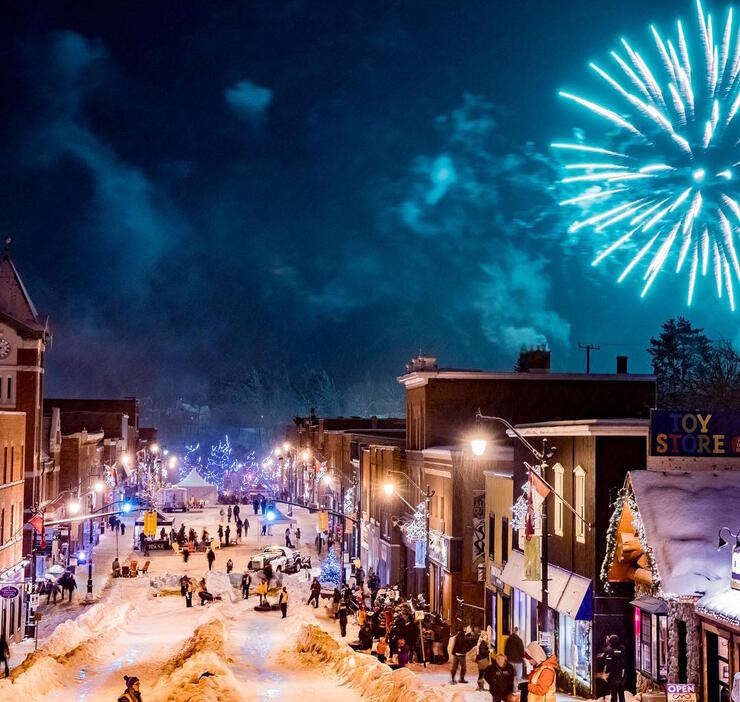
(724, 605)
(681, 514)
(193, 479)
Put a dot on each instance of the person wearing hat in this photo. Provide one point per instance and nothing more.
(133, 691)
(543, 678)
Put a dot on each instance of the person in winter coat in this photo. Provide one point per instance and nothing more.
(615, 667)
(227, 534)
(70, 584)
(287, 538)
(246, 582)
(186, 552)
(256, 505)
(343, 614)
(373, 583)
(336, 598)
(262, 592)
(229, 565)
(403, 653)
(245, 526)
(366, 637)
(482, 657)
(228, 514)
(123, 528)
(203, 593)
(183, 585)
(220, 535)
(459, 656)
(315, 592)
(500, 676)
(132, 693)
(210, 556)
(4, 653)
(283, 601)
(543, 676)
(360, 577)
(237, 510)
(190, 589)
(238, 530)
(514, 652)
(116, 568)
(267, 570)
(298, 537)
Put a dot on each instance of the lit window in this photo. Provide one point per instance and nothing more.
(580, 504)
(558, 485)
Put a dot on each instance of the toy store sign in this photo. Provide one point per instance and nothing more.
(700, 434)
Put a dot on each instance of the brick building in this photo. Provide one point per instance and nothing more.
(441, 406)
(12, 440)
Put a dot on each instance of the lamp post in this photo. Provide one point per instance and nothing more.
(390, 489)
(543, 455)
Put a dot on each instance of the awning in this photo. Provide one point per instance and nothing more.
(568, 593)
(651, 604)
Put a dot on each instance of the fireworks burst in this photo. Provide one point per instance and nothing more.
(667, 191)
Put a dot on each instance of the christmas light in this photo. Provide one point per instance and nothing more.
(330, 570)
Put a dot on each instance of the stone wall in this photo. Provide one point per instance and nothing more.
(683, 610)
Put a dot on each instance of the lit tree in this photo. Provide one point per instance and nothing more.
(220, 461)
(330, 570)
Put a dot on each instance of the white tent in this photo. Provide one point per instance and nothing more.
(199, 488)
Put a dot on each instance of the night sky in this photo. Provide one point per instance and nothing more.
(194, 188)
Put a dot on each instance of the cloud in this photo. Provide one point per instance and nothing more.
(249, 100)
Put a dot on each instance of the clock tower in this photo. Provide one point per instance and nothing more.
(23, 338)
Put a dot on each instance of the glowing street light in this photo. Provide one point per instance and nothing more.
(99, 486)
(126, 507)
(172, 462)
(305, 455)
(278, 451)
(478, 445)
(389, 488)
(126, 459)
(286, 446)
(73, 506)
(154, 448)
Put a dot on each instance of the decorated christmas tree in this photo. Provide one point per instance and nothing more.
(330, 570)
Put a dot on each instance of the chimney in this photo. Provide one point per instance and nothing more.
(534, 360)
(422, 362)
(622, 365)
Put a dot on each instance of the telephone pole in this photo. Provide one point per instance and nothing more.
(589, 348)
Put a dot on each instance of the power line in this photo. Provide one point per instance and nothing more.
(588, 348)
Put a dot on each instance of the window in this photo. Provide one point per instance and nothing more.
(10, 388)
(505, 615)
(651, 642)
(12, 463)
(504, 540)
(580, 504)
(5, 465)
(2, 526)
(558, 485)
(492, 536)
(574, 644)
(12, 521)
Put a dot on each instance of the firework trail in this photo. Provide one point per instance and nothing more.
(666, 186)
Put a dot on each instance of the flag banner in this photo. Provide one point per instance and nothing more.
(532, 559)
(37, 522)
(538, 489)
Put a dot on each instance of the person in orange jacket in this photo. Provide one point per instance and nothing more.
(543, 677)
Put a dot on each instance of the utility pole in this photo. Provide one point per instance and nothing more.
(589, 348)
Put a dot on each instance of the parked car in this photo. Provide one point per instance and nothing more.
(282, 559)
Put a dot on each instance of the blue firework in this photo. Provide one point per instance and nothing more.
(665, 188)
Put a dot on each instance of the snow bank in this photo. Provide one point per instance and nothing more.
(218, 583)
(374, 680)
(183, 679)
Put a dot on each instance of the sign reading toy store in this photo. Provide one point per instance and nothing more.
(701, 434)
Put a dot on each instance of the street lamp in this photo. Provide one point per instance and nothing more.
(99, 486)
(73, 506)
(478, 446)
(428, 493)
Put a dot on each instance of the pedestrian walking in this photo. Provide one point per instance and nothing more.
(373, 582)
(318, 543)
(4, 653)
(336, 598)
(132, 693)
(315, 592)
(287, 538)
(246, 582)
(186, 552)
(615, 668)
(255, 505)
(228, 515)
(246, 528)
(220, 534)
(263, 505)
(360, 577)
(227, 534)
(460, 648)
(229, 566)
(211, 556)
(298, 537)
(123, 528)
(342, 619)
(514, 652)
(283, 601)
(189, 593)
(172, 535)
(500, 676)
(238, 530)
(237, 511)
(70, 584)
(542, 680)
(183, 585)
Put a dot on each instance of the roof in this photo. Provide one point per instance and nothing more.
(417, 379)
(651, 604)
(681, 514)
(15, 303)
(723, 606)
(193, 479)
(586, 427)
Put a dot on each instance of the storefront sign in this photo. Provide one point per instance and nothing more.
(735, 582)
(700, 433)
(439, 548)
(532, 559)
(680, 692)
(9, 592)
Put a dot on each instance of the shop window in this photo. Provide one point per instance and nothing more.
(558, 485)
(504, 540)
(10, 388)
(683, 659)
(651, 641)
(574, 647)
(580, 476)
(492, 536)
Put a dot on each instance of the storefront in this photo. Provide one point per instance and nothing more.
(570, 614)
(651, 638)
(440, 590)
(12, 596)
(720, 626)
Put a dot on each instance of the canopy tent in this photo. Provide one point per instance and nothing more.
(199, 488)
(278, 517)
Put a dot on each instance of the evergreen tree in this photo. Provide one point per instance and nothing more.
(330, 570)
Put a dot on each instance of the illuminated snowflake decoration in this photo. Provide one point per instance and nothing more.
(416, 529)
(666, 188)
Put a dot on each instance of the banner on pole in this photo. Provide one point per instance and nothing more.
(532, 559)
(150, 523)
